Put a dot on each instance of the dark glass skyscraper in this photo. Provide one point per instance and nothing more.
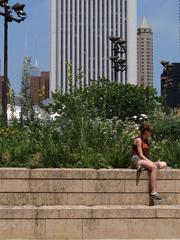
(173, 93)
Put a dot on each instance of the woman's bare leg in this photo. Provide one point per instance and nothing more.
(161, 165)
(153, 173)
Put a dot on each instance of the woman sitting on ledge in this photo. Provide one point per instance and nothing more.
(139, 158)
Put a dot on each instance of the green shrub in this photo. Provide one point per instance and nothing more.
(95, 129)
(106, 100)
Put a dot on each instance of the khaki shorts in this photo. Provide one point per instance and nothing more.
(134, 160)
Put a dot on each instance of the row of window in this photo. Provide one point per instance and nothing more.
(70, 19)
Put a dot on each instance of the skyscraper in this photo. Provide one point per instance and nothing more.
(172, 93)
(79, 35)
(145, 54)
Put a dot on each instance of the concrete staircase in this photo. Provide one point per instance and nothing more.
(56, 204)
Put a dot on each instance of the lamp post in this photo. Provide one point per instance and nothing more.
(20, 16)
(119, 58)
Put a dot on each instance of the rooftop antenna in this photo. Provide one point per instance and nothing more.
(25, 45)
(36, 62)
(36, 59)
(26, 42)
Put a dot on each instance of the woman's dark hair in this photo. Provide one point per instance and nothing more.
(145, 127)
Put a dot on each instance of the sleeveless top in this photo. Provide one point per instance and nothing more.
(144, 145)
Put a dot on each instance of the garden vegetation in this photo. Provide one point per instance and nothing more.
(94, 128)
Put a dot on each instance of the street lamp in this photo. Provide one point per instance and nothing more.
(118, 59)
(8, 15)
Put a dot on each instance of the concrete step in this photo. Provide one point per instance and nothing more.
(87, 212)
(75, 174)
(84, 187)
(88, 199)
(96, 222)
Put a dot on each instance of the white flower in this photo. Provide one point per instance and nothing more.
(136, 126)
(114, 131)
(143, 116)
(115, 118)
(63, 107)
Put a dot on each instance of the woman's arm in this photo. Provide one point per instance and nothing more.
(138, 143)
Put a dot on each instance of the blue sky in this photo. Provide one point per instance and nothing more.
(32, 36)
(163, 17)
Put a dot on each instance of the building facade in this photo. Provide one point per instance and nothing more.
(172, 94)
(80, 32)
(34, 84)
(145, 54)
(39, 87)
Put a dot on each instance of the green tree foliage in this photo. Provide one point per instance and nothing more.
(95, 127)
(27, 112)
(25, 82)
(106, 100)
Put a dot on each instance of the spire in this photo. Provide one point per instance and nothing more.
(145, 23)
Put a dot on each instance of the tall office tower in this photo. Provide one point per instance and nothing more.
(79, 35)
(145, 54)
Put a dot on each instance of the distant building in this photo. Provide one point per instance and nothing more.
(34, 84)
(173, 93)
(39, 87)
(80, 32)
(145, 54)
(34, 72)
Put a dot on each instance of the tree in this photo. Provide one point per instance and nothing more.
(107, 100)
(27, 112)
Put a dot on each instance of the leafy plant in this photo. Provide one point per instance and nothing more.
(95, 127)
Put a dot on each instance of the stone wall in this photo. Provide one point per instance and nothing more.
(87, 204)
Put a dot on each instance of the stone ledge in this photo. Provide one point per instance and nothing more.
(85, 186)
(61, 173)
(94, 212)
(87, 199)
(109, 229)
